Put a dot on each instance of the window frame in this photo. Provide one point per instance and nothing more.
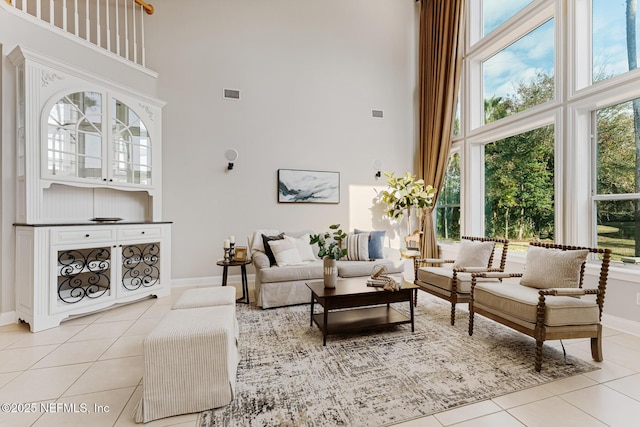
(571, 113)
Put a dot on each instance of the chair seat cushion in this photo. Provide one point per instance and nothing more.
(521, 302)
(442, 277)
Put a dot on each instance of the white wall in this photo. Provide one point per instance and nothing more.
(309, 73)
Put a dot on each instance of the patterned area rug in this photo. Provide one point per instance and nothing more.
(287, 378)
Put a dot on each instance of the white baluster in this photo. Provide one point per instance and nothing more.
(107, 11)
(52, 14)
(135, 33)
(38, 9)
(126, 33)
(144, 53)
(76, 18)
(87, 29)
(98, 26)
(117, 28)
(64, 15)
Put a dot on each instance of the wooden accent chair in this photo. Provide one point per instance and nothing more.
(453, 283)
(549, 301)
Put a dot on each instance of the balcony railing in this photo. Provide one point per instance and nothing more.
(114, 25)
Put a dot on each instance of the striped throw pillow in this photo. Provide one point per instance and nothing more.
(357, 246)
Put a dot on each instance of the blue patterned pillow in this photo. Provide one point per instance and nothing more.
(376, 243)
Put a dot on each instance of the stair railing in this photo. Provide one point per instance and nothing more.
(114, 25)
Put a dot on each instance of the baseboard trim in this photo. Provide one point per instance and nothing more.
(620, 324)
(8, 318)
(210, 281)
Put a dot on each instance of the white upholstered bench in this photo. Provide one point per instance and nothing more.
(191, 356)
(206, 297)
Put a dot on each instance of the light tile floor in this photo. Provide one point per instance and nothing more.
(94, 363)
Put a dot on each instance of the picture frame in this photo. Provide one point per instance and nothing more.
(240, 253)
(308, 186)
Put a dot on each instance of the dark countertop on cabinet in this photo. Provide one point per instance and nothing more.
(75, 224)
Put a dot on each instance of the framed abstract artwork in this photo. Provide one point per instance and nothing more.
(302, 186)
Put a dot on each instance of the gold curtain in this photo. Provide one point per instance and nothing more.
(440, 63)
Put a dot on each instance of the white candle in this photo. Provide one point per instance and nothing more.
(232, 239)
(227, 243)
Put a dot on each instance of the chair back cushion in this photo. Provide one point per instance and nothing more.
(553, 268)
(474, 253)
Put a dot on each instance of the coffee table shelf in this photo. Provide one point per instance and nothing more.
(353, 306)
(361, 318)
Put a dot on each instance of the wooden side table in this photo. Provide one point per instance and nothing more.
(243, 273)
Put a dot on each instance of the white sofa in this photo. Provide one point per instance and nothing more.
(278, 286)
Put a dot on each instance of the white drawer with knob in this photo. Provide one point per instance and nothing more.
(128, 233)
(83, 235)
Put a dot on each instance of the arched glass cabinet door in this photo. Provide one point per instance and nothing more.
(131, 162)
(74, 136)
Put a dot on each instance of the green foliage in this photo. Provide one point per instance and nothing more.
(448, 206)
(404, 193)
(333, 249)
(538, 90)
(519, 170)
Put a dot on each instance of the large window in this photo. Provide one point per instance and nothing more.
(615, 30)
(495, 12)
(519, 192)
(520, 76)
(617, 199)
(448, 206)
(547, 154)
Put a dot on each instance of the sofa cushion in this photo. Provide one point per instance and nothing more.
(553, 268)
(303, 245)
(520, 302)
(267, 249)
(306, 271)
(285, 251)
(376, 243)
(357, 246)
(365, 268)
(474, 253)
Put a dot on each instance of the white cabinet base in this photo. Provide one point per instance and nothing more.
(63, 271)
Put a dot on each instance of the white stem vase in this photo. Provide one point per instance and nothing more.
(330, 273)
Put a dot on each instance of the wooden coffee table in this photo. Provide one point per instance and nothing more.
(366, 307)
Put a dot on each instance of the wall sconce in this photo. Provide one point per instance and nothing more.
(231, 155)
(377, 166)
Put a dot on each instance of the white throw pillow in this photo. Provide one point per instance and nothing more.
(474, 253)
(304, 247)
(357, 246)
(285, 252)
(553, 268)
(255, 242)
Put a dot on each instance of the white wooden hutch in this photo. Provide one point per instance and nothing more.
(89, 232)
